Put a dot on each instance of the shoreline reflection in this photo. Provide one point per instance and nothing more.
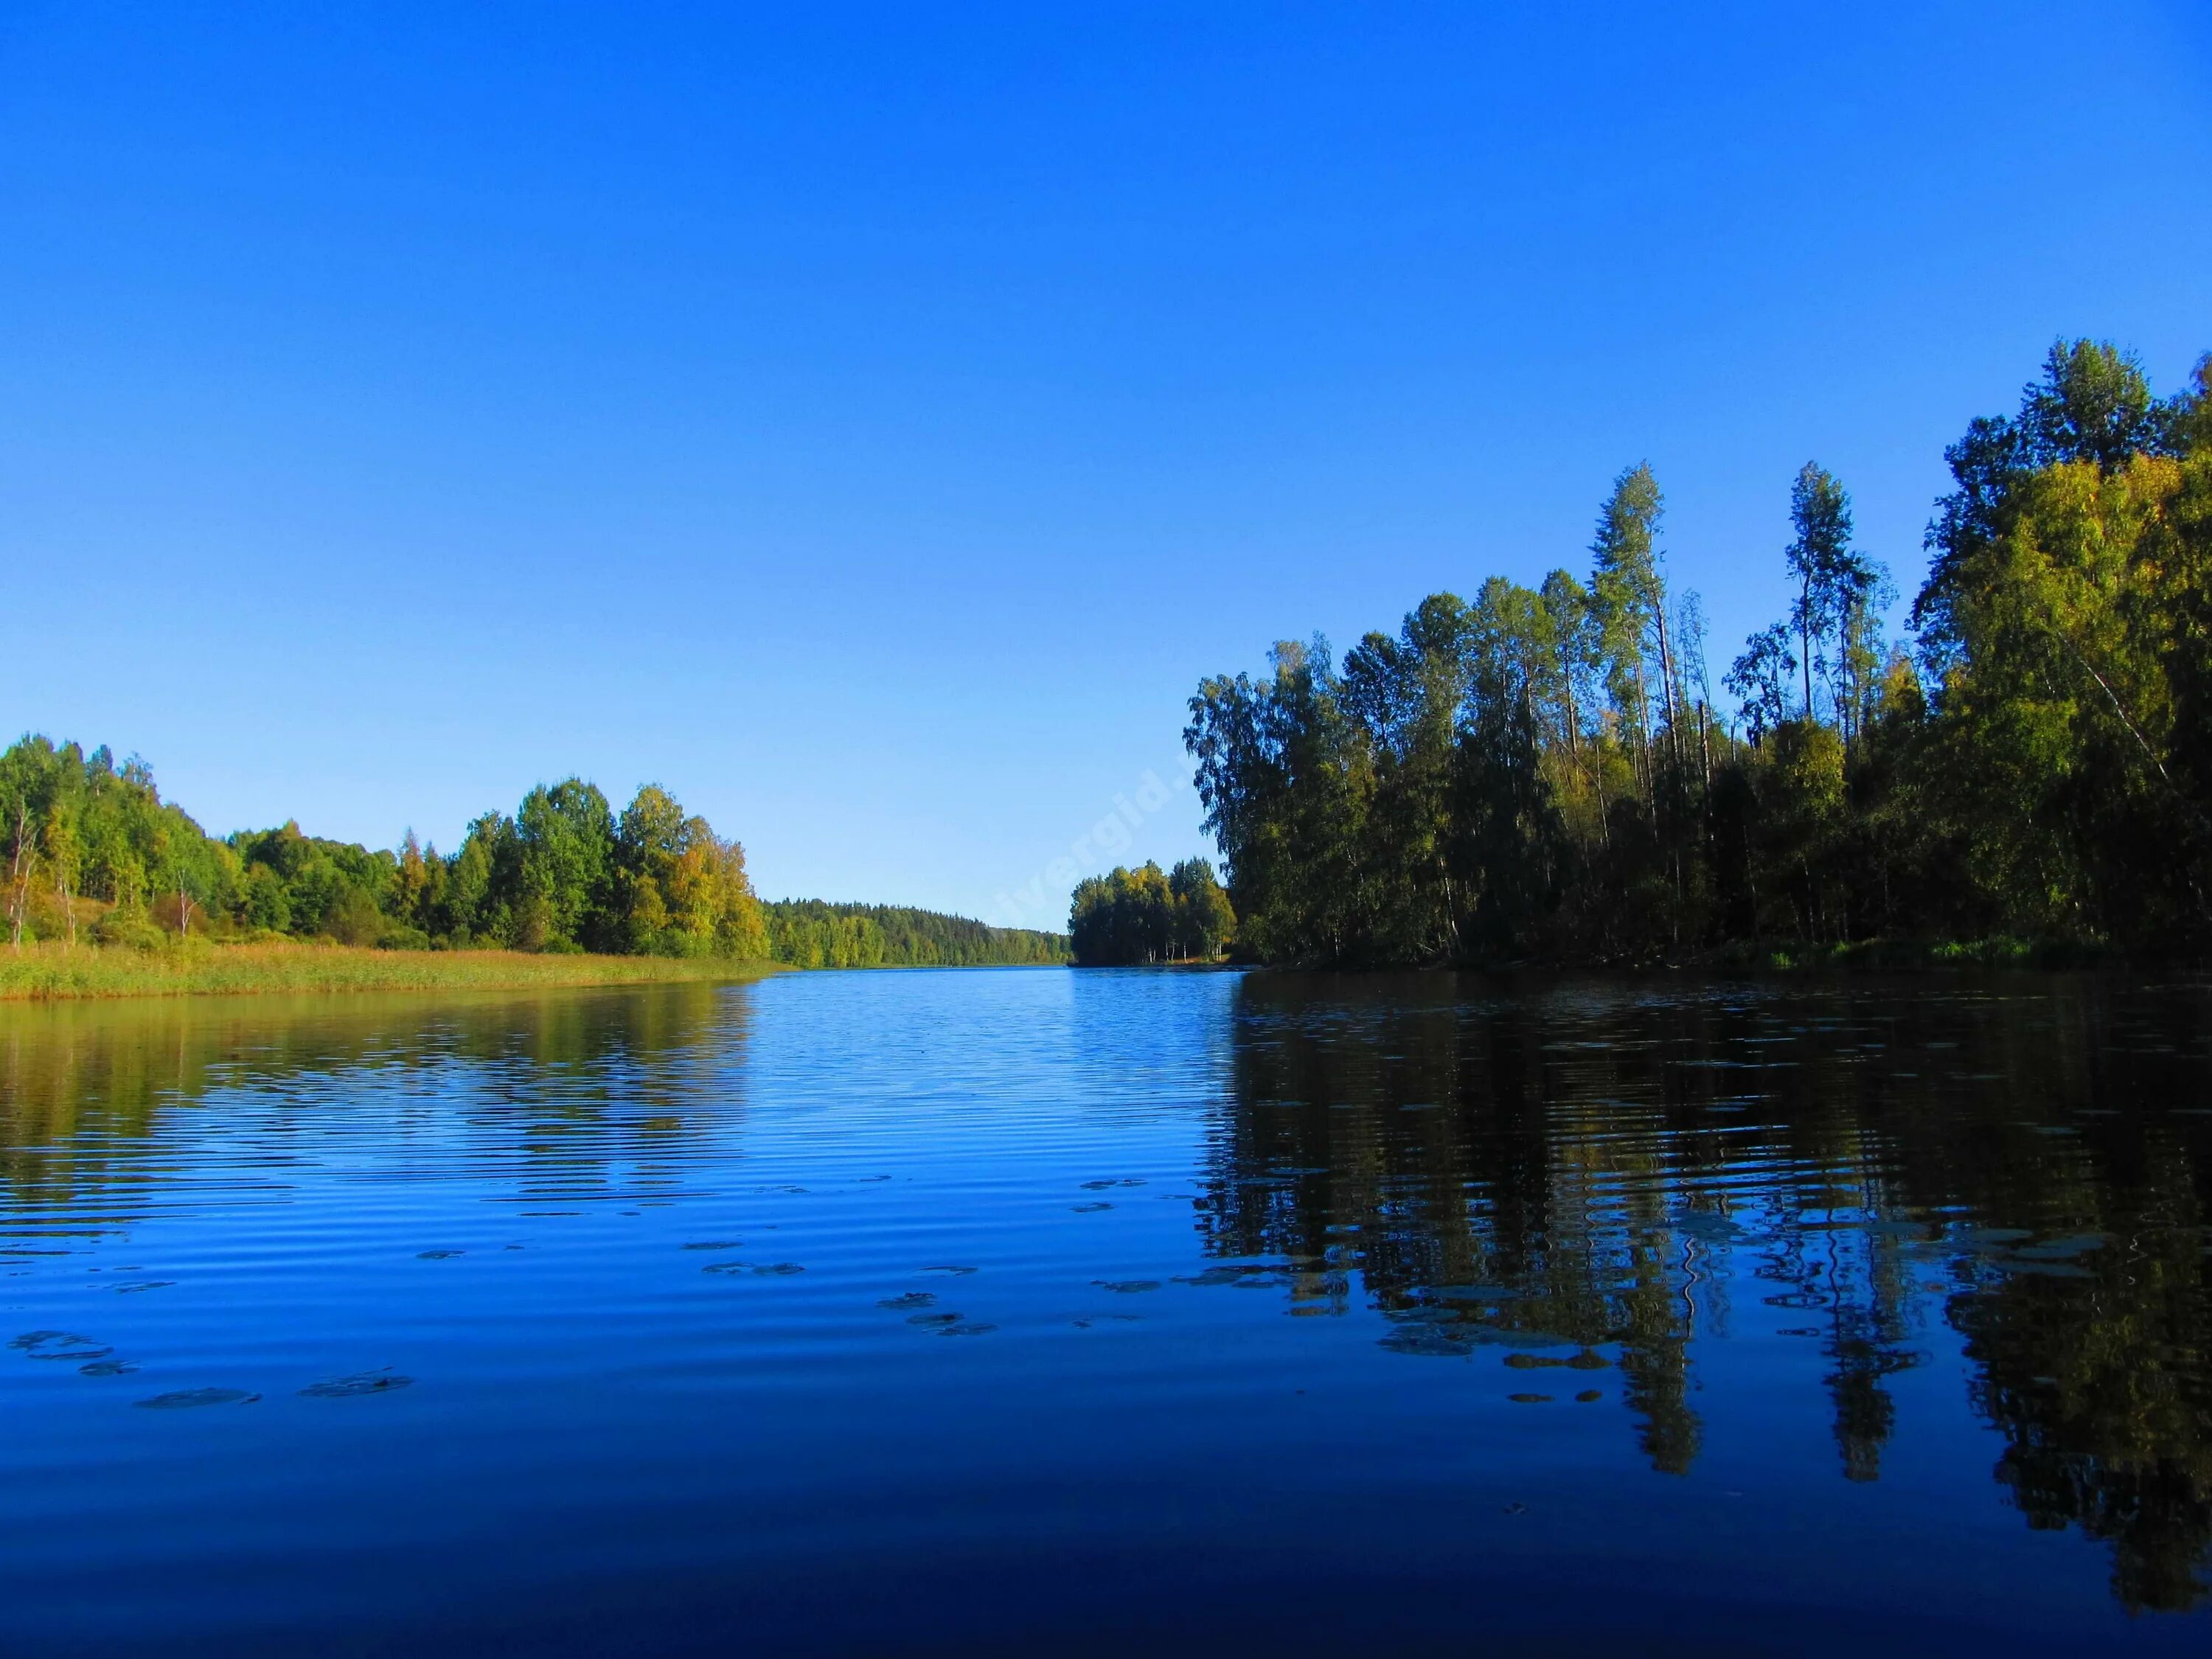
(1591, 1176)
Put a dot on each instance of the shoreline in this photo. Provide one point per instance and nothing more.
(1785, 958)
(84, 972)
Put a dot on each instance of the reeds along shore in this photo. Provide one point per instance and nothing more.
(55, 971)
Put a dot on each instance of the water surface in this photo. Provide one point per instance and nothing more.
(1039, 1310)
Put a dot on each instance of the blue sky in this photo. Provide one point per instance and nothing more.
(871, 422)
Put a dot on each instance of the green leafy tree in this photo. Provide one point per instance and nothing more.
(1205, 921)
(1539, 774)
(64, 861)
(1124, 917)
(1818, 556)
(1760, 678)
(565, 873)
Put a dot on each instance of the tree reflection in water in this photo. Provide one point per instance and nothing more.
(1581, 1171)
(108, 1109)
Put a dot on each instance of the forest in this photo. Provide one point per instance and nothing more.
(90, 851)
(810, 933)
(1129, 917)
(1546, 774)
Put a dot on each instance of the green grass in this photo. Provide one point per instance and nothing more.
(51, 972)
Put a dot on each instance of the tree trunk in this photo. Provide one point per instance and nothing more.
(18, 883)
(1805, 640)
(1667, 674)
(1643, 745)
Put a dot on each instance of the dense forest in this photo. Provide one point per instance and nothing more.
(809, 933)
(89, 849)
(1546, 774)
(1131, 916)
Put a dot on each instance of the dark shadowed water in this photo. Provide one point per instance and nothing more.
(1048, 1312)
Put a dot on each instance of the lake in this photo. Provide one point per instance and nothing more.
(1056, 1311)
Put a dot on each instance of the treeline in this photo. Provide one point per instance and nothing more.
(810, 933)
(92, 845)
(90, 849)
(1131, 916)
(1544, 773)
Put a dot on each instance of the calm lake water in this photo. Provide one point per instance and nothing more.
(1044, 1311)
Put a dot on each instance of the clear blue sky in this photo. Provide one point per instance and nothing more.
(871, 424)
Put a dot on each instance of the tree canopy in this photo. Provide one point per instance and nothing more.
(1133, 917)
(1543, 774)
(87, 846)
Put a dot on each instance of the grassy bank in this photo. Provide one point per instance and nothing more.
(51, 972)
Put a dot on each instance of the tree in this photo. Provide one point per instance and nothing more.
(1760, 678)
(59, 844)
(2073, 653)
(264, 901)
(472, 909)
(2092, 405)
(1204, 920)
(650, 841)
(21, 850)
(1123, 918)
(1818, 556)
(1837, 589)
(1288, 777)
(740, 925)
(565, 836)
(411, 884)
(1630, 596)
(1505, 833)
(1574, 635)
(1518, 776)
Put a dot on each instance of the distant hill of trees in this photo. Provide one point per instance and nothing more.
(89, 848)
(810, 934)
(1544, 773)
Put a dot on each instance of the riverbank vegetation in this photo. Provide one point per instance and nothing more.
(54, 971)
(109, 887)
(1546, 774)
